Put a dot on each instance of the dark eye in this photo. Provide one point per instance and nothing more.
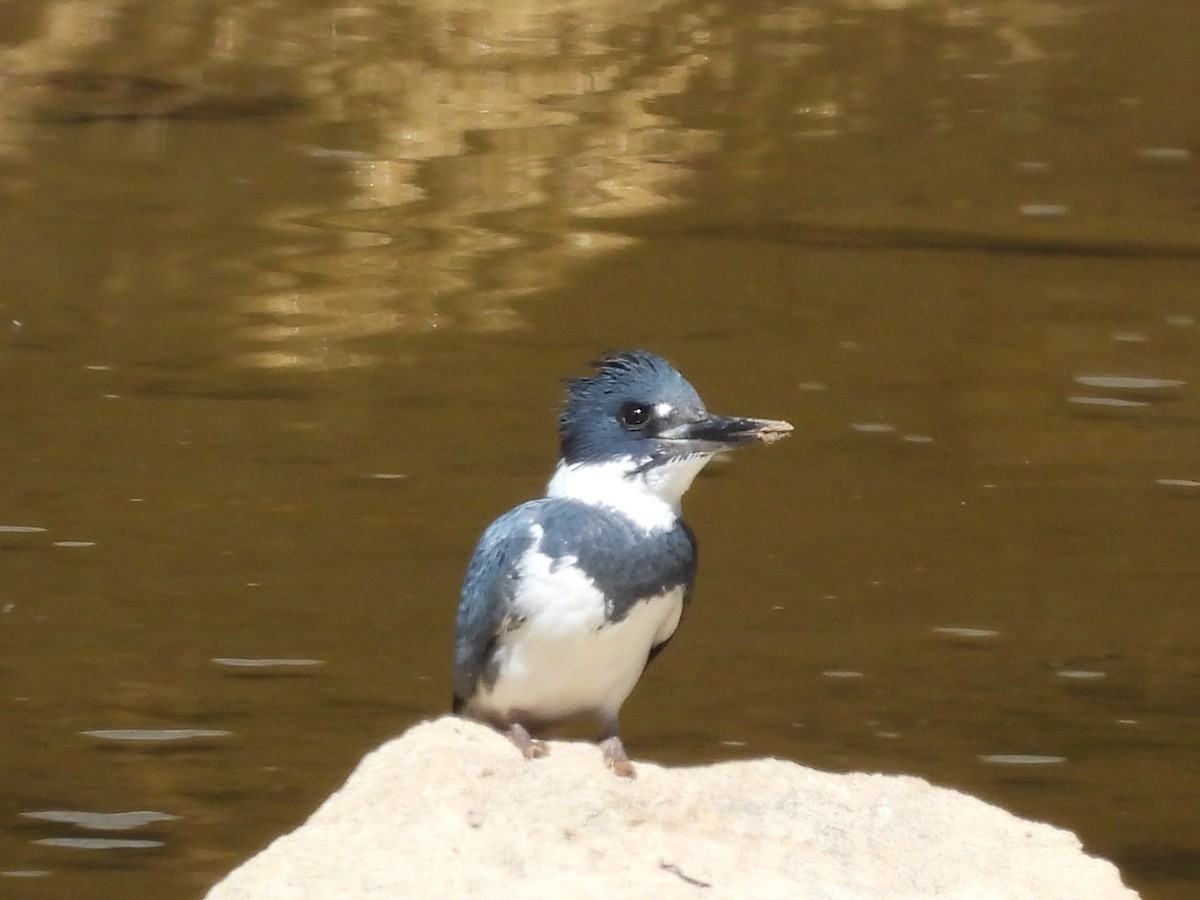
(634, 416)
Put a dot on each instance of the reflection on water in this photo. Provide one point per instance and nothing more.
(482, 154)
(467, 138)
(283, 302)
(491, 140)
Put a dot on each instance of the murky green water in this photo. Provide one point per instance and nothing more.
(285, 301)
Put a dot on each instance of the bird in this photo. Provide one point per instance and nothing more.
(568, 597)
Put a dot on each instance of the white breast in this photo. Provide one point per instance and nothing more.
(565, 659)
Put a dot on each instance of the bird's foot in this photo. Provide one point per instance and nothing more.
(530, 747)
(615, 758)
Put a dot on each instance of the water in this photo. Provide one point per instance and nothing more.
(285, 304)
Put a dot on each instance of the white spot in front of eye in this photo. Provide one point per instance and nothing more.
(662, 410)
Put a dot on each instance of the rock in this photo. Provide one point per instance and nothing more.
(451, 809)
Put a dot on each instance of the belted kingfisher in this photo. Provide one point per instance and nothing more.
(568, 597)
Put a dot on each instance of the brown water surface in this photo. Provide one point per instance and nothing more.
(285, 301)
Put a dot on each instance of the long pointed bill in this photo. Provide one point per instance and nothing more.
(711, 434)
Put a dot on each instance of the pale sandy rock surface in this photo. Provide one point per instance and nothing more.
(451, 809)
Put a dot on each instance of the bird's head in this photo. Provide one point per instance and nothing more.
(639, 414)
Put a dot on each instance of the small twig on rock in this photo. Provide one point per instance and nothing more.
(675, 870)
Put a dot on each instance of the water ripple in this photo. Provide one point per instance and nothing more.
(1022, 759)
(100, 843)
(122, 821)
(969, 633)
(1128, 382)
(155, 734)
(1107, 401)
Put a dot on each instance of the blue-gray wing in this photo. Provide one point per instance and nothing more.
(487, 595)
